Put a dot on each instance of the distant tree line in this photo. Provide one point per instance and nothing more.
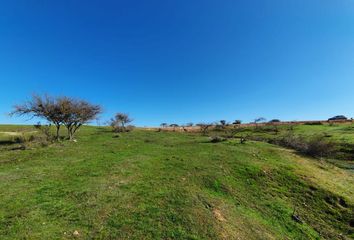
(72, 113)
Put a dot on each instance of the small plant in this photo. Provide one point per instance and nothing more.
(31, 138)
(216, 139)
(45, 130)
(129, 128)
(204, 127)
(19, 139)
(243, 140)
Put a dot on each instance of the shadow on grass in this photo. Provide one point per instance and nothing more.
(7, 142)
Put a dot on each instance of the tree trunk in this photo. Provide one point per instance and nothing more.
(57, 134)
(69, 133)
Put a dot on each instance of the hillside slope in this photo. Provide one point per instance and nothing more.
(165, 185)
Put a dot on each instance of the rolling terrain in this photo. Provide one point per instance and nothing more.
(170, 185)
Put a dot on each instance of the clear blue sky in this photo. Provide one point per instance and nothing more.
(182, 61)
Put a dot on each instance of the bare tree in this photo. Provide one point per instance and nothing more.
(76, 113)
(44, 107)
(70, 112)
(119, 122)
(190, 124)
(174, 125)
(223, 124)
(204, 127)
(237, 122)
(260, 119)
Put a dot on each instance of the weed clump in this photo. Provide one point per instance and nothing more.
(216, 139)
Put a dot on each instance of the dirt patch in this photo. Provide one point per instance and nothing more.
(11, 133)
(16, 133)
(218, 215)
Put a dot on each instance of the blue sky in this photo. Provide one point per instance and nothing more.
(182, 61)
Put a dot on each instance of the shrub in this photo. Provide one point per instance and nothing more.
(129, 128)
(18, 139)
(45, 130)
(118, 123)
(317, 146)
(31, 138)
(216, 139)
(243, 140)
(204, 127)
(219, 127)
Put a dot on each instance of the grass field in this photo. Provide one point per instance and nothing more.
(341, 135)
(167, 185)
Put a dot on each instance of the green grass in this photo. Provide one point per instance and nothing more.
(165, 185)
(336, 132)
(341, 134)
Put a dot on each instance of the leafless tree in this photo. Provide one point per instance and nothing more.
(204, 127)
(119, 122)
(174, 125)
(70, 112)
(76, 113)
(45, 107)
(237, 122)
(260, 119)
(223, 124)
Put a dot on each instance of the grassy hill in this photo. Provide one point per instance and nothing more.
(167, 185)
(339, 135)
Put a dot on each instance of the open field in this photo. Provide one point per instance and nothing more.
(171, 185)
